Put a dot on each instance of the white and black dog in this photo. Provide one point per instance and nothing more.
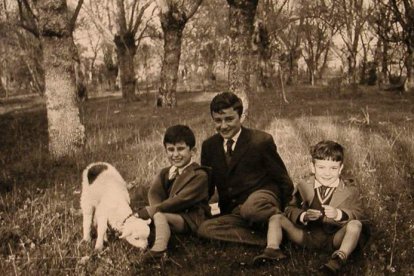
(105, 200)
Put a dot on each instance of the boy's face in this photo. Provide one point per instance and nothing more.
(326, 171)
(227, 122)
(179, 154)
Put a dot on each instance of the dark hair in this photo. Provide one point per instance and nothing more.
(226, 100)
(179, 133)
(327, 150)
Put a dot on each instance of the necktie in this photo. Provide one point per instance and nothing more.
(322, 192)
(173, 173)
(229, 150)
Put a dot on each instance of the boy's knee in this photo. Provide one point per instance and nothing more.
(277, 218)
(205, 229)
(254, 213)
(354, 226)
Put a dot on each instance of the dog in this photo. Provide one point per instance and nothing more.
(105, 200)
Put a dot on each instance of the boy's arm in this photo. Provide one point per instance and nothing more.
(195, 191)
(350, 209)
(156, 193)
(293, 210)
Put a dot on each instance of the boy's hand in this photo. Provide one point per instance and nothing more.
(330, 212)
(312, 214)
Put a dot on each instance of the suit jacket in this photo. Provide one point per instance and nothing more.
(187, 195)
(255, 165)
(344, 197)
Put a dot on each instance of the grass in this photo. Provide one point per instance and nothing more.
(40, 220)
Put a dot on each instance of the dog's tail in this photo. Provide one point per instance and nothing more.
(92, 171)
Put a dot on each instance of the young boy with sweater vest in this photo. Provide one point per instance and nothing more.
(325, 212)
(178, 196)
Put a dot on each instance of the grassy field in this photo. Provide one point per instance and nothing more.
(40, 219)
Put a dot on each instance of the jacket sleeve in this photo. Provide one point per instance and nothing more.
(156, 193)
(352, 206)
(195, 191)
(278, 171)
(294, 207)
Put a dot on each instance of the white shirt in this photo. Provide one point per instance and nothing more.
(172, 170)
(234, 138)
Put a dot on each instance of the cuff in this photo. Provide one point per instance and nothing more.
(302, 218)
(339, 215)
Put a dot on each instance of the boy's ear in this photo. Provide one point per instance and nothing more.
(194, 151)
(312, 167)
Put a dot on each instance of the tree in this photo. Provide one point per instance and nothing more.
(174, 15)
(241, 18)
(352, 15)
(403, 12)
(54, 24)
(317, 31)
(125, 29)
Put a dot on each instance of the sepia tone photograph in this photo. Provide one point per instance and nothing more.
(206, 137)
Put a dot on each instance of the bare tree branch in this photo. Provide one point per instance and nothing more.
(139, 17)
(75, 16)
(131, 18)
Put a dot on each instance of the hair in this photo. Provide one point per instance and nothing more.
(226, 100)
(179, 133)
(327, 150)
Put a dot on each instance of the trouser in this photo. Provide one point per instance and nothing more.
(242, 224)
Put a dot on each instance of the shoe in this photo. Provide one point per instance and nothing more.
(269, 255)
(333, 266)
(154, 256)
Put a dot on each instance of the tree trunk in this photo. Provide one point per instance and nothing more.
(409, 67)
(241, 19)
(66, 132)
(172, 52)
(126, 49)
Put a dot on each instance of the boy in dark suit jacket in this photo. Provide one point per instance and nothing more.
(324, 213)
(251, 179)
(178, 196)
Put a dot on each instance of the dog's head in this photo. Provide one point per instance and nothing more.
(136, 232)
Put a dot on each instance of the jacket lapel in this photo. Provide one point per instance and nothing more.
(241, 147)
(339, 195)
(182, 180)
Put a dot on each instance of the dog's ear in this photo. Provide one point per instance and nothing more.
(124, 235)
(125, 232)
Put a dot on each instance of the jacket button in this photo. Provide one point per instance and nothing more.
(233, 200)
(230, 189)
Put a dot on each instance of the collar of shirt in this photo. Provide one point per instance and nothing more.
(180, 170)
(333, 185)
(234, 138)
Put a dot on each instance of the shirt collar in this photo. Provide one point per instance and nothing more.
(333, 185)
(180, 170)
(234, 138)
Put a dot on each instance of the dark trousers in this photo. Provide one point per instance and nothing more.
(243, 224)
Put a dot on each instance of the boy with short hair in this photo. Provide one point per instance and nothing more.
(178, 196)
(324, 213)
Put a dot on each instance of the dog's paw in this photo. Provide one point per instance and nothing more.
(98, 247)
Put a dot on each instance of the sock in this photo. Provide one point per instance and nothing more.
(162, 232)
(342, 255)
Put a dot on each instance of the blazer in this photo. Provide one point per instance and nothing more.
(345, 197)
(188, 194)
(255, 165)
